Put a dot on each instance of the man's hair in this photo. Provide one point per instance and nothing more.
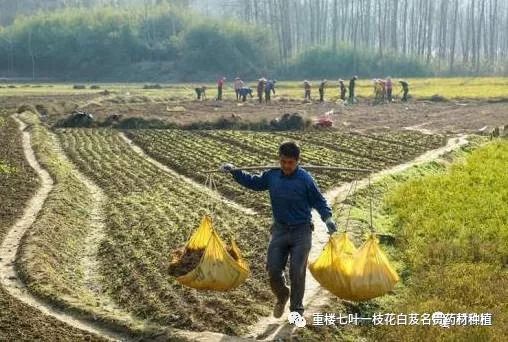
(289, 149)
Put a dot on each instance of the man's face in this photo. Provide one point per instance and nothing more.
(288, 164)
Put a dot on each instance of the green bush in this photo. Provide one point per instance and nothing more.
(107, 42)
(324, 62)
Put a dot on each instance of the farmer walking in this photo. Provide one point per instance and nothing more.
(293, 194)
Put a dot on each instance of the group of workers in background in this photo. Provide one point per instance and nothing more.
(342, 90)
(383, 90)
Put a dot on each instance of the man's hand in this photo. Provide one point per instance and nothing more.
(330, 224)
(227, 167)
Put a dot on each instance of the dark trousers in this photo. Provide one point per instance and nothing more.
(293, 242)
(321, 95)
(237, 91)
(260, 96)
(267, 96)
(219, 93)
(404, 96)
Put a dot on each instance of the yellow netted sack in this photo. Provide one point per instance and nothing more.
(199, 239)
(185, 259)
(372, 275)
(217, 270)
(333, 268)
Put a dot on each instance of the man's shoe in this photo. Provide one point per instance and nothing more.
(278, 310)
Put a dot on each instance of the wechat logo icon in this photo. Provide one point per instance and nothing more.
(297, 319)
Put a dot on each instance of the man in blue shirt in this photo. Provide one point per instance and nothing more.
(293, 194)
(243, 92)
(270, 87)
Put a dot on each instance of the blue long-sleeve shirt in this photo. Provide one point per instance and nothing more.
(292, 197)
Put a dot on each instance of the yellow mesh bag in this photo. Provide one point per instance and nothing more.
(354, 274)
(332, 269)
(219, 269)
(372, 275)
(199, 239)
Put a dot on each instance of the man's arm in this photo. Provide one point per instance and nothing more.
(253, 182)
(317, 200)
(319, 203)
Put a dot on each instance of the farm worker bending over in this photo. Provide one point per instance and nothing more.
(200, 92)
(293, 193)
(243, 92)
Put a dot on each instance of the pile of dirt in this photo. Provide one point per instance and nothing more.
(438, 98)
(152, 86)
(288, 121)
(26, 108)
(185, 260)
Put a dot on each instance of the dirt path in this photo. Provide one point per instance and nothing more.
(192, 182)
(8, 249)
(270, 328)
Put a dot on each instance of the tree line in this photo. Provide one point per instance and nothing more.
(146, 43)
(189, 40)
(452, 36)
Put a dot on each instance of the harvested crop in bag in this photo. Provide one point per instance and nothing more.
(372, 275)
(332, 269)
(217, 270)
(206, 263)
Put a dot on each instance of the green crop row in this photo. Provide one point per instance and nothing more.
(370, 146)
(189, 152)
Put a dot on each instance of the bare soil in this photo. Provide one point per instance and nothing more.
(465, 116)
